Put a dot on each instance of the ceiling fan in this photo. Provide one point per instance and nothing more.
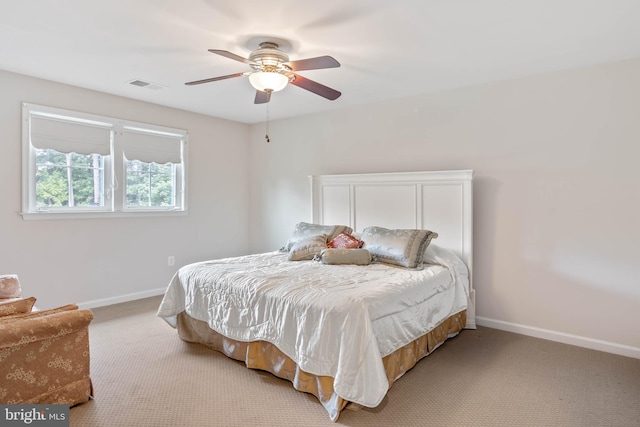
(272, 71)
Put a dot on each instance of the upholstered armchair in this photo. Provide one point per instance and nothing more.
(44, 355)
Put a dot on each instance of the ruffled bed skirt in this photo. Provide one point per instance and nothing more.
(267, 357)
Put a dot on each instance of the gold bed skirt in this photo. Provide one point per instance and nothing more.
(267, 357)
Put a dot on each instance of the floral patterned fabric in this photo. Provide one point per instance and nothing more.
(44, 357)
(19, 306)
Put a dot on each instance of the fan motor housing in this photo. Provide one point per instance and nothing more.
(268, 56)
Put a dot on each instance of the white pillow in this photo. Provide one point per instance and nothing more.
(401, 247)
(307, 248)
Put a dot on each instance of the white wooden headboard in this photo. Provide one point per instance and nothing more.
(439, 201)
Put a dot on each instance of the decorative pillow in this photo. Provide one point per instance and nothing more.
(307, 248)
(346, 241)
(9, 286)
(23, 305)
(303, 230)
(399, 247)
(345, 256)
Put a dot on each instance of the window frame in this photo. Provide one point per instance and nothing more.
(114, 169)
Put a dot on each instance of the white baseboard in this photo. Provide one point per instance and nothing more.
(594, 344)
(121, 298)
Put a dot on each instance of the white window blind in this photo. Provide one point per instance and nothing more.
(67, 136)
(151, 147)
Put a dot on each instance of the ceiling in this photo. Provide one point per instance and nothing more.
(387, 48)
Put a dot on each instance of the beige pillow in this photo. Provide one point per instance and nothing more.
(304, 230)
(404, 248)
(336, 256)
(307, 248)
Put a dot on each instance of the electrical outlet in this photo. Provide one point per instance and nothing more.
(171, 261)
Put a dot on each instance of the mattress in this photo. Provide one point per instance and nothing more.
(337, 321)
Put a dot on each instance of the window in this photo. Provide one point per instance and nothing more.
(79, 165)
(68, 179)
(151, 169)
(150, 184)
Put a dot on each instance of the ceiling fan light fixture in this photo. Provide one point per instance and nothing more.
(268, 81)
(272, 71)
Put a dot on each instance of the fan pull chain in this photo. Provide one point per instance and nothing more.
(266, 136)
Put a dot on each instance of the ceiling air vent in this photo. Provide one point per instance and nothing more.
(146, 85)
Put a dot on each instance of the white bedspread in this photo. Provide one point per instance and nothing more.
(332, 320)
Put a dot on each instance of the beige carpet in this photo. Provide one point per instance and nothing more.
(144, 375)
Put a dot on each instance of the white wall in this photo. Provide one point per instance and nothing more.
(556, 191)
(109, 260)
(556, 198)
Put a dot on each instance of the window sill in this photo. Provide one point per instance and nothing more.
(28, 216)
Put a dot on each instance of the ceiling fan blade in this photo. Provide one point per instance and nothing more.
(215, 79)
(315, 87)
(230, 55)
(313, 63)
(262, 97)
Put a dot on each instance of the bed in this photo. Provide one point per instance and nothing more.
(343, 332)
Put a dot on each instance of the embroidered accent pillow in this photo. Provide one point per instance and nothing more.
(345, 241)
(307, 248)
(304, 230)
(404, 248)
